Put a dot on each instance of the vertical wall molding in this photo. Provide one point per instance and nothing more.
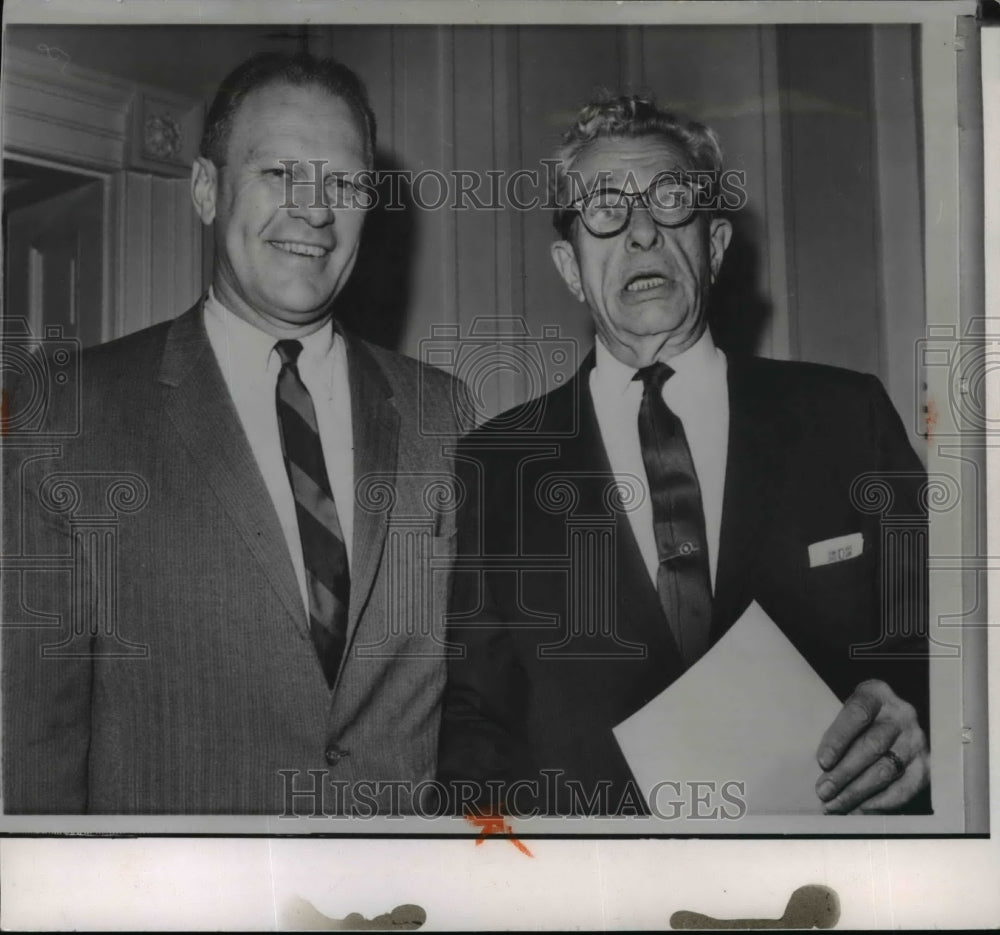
(783, 103)
(449, 232)
(509, 240)
(397, 78)
(631, 62)
(164, 274)
(135, 236)
(832, 192)
(36, 290)
(500, 53)
(778, 340)
(898, 210)
(112, 248)
(514, 159)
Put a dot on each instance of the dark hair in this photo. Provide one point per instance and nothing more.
(270, 68)
(628, 117)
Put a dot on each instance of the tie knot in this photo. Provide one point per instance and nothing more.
(654, 376)
(289, 351)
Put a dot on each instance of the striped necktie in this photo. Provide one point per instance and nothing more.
(324, 554)
(683, 580)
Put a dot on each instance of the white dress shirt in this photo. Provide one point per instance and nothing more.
(698, 395)
(250, 367)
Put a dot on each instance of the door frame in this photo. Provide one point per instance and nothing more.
(109, 228)
(79, 120)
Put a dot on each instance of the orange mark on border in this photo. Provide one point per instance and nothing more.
(4, 413)
(495, 826)
(930, 418)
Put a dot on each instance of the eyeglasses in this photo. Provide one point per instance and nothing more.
(670, 200)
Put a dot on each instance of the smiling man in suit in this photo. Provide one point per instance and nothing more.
(269, 650)
(573, 611)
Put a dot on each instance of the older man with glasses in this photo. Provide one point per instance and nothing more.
(574, 611)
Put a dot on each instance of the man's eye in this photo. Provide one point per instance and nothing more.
(279, 172)
(605, 201)
(670, 195)
(341, 192)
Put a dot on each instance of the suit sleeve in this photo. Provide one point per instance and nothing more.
(904, 591)
(478, 746)
(46, 697)
(890, 502)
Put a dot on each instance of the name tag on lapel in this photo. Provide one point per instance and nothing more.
(840, 549)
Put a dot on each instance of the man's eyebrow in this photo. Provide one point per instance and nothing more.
(262, 156)
(269, 154)
(275, 151)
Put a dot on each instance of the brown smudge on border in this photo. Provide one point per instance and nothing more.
(808, 907)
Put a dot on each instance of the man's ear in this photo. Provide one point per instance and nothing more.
(204, 188)
(720, 232)
(564, 256)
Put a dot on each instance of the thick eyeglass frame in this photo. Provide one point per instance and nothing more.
(630, 198)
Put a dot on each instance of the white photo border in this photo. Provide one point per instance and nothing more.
(236, 882)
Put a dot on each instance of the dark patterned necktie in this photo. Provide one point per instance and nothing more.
(683, 580)
(324, 554)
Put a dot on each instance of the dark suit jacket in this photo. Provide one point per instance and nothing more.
(156, 657)
(560, 627)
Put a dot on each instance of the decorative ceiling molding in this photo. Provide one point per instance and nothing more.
(77, 116)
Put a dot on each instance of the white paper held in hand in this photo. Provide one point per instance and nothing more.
(751, 710)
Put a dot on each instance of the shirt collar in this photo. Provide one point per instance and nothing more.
(699, 366)
(253, 347)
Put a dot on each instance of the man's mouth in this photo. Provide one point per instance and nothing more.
(645, 281)
(299, 249)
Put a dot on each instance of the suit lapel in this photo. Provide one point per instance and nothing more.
(199, 405)
(375, 427)
(760, 429)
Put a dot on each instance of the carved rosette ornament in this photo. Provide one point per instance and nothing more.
(162, 137)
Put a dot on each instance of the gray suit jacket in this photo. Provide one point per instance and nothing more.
(156, 657)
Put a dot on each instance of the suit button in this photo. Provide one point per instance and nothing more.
(334, 754)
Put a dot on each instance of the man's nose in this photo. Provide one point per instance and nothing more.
(314, 210)
(311, 202)
(642, 231)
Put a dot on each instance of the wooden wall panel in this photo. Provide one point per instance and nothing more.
(801, 111)
(404, 283)
(824, 120)
(162, 238)
(832, 202)
(476, 151)
(423, 135)
(719, 75)
(488, 239)
(900, 220)
(559, 70)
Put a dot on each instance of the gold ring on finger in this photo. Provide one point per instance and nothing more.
(897, 762)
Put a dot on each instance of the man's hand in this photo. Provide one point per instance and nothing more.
(858, 773)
